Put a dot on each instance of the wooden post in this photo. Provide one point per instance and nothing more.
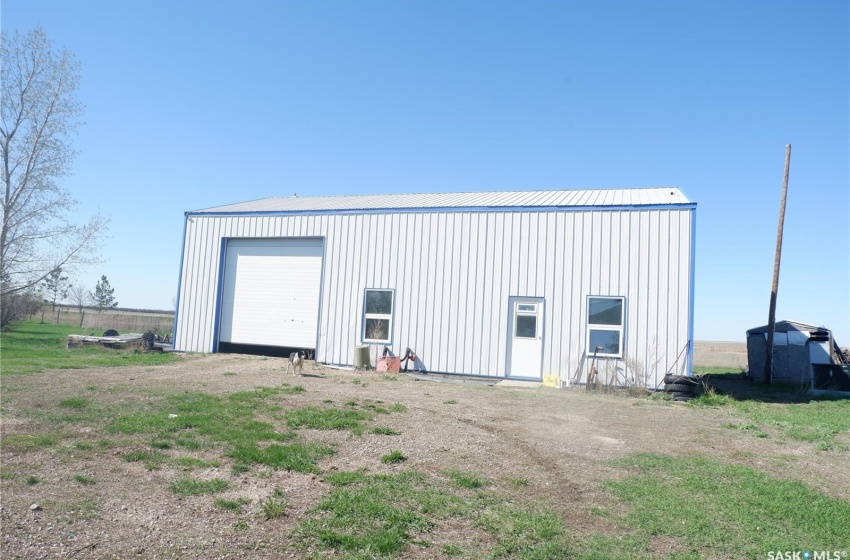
(771, 320)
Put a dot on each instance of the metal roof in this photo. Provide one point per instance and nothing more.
(494, 199)
(787, 326)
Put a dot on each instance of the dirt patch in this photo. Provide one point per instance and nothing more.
(556, 444)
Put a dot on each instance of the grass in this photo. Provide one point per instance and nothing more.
(822, 422)
(466, 479)
(74, 402)
(702, 508)
(32, 347)
(190, 419)
(394, 457)
(729, 511)
(232, 505)
(719, 370)
(152, 460)
(818, 421)
(383, 515)
(370, 515)
(383, 431)
(292, 390)
(28, 442)
(297, 456)
(327, 418)
(189, 486)
(718, 510)
(528, 532)
(191, 463)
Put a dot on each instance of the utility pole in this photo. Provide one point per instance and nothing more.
(771, 321)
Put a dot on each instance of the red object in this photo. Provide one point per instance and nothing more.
(389, 364)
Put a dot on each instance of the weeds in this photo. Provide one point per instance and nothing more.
(86, 480)
(274, 506)
(710, 397)
(394, 457)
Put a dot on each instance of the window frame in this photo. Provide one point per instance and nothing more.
(526, 313)
(619, 329)
(379, 316)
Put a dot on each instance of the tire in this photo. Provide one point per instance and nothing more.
(681, 387)
(677, 393)
(682, 399)
(669, 379)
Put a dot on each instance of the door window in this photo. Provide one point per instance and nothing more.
(525, 324)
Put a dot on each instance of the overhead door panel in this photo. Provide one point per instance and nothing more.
(270, 292)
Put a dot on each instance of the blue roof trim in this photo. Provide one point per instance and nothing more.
(676, 206)
(179, 281)
(691, 295)
(219, 293)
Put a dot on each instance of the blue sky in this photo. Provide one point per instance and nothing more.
(193, 104)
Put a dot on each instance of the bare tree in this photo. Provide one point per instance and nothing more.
(17, 306)
(40, 114)
(80, 298)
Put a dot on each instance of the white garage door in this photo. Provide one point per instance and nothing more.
(270, 295)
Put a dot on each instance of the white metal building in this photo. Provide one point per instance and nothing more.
(505, 284)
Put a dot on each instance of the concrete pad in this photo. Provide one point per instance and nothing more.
(517, 383)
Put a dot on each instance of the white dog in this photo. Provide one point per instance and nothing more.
(296, 362)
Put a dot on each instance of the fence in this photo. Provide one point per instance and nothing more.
(123, 322)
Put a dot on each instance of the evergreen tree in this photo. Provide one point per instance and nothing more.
(102, 297)
(56, 286)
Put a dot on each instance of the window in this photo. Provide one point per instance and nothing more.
(525, 325)
(605, 324)
(378, 316)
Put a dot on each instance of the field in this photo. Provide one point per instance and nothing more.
(731, 355)
(223, 456)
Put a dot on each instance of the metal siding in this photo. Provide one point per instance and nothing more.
(453, 273)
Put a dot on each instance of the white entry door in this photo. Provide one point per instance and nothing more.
(526, 338)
